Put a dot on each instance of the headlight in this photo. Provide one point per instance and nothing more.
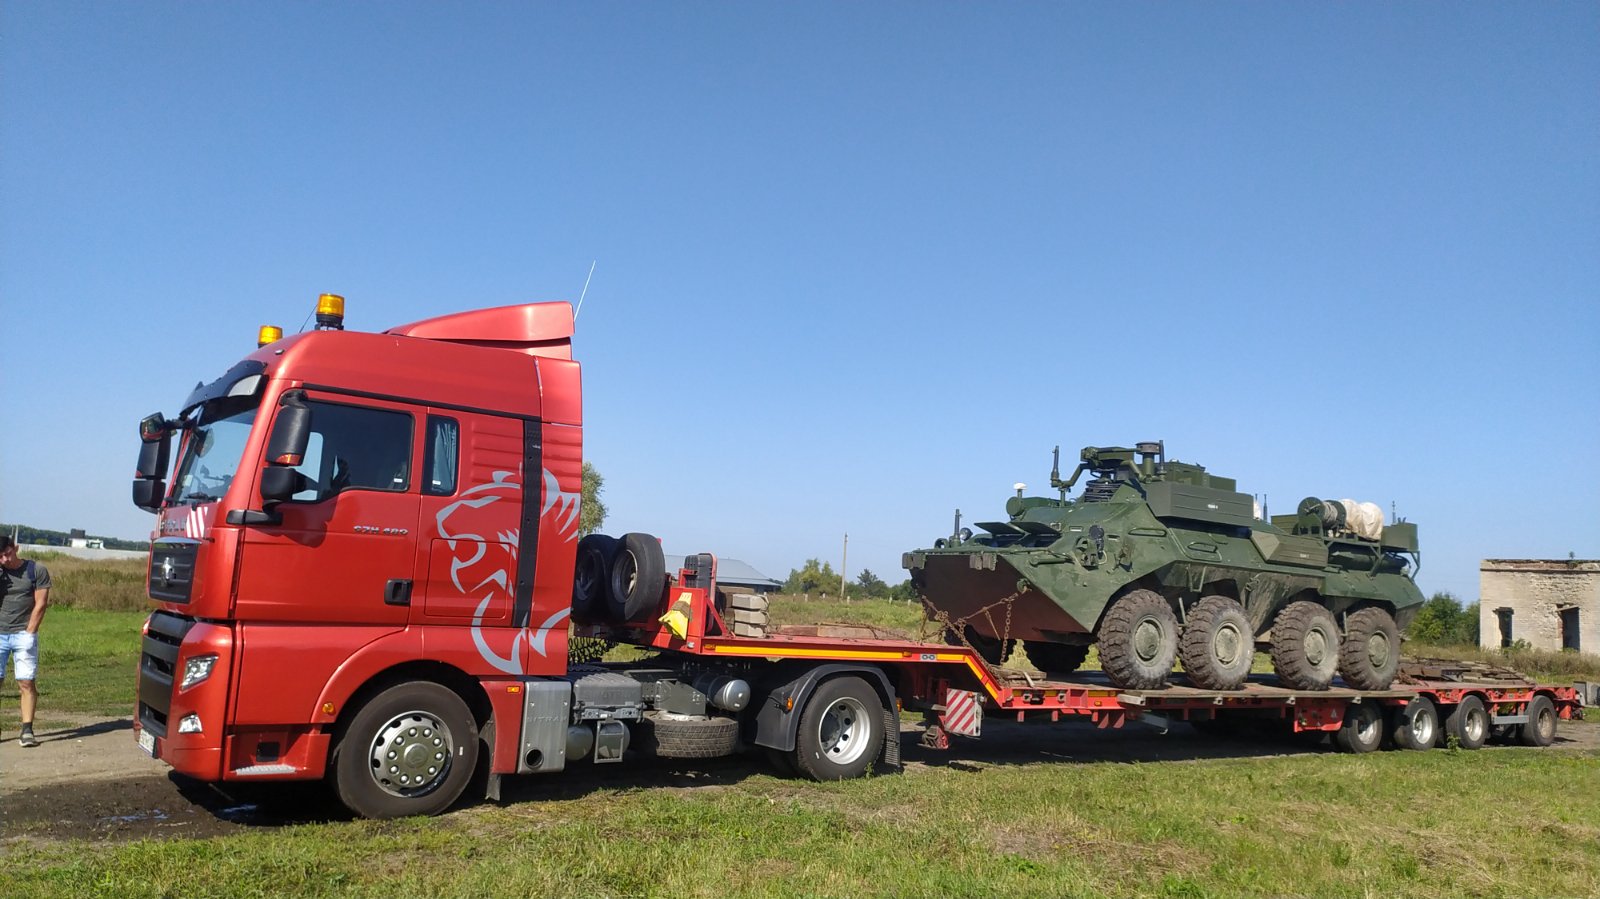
(197, 670)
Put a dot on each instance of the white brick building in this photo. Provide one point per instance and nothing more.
(1551, 604)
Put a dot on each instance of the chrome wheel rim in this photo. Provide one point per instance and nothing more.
(411, 754)
(1477, 724)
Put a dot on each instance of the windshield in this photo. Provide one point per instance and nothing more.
(211, 457)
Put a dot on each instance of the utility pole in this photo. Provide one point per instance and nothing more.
(844, 560)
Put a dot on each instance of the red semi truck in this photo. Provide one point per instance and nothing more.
(366, 566)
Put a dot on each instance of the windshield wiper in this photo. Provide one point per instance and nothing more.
(203, 497)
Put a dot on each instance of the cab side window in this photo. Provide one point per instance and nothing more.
(355, 448)
(441, 456)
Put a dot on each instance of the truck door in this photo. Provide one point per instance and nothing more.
(343, 558)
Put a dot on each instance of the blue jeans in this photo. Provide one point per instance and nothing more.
(26, 648)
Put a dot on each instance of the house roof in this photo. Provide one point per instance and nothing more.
(732, 572)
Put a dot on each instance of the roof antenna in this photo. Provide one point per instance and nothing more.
(584, 294)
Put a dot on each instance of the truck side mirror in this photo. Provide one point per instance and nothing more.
(279, 483)
(290, 434)
(153, 457)
(148, 493)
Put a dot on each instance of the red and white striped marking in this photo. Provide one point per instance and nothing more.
(194, 525)
(963, 713)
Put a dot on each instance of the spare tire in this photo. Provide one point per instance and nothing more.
(638, 578)
(591, 575)
(690, 738)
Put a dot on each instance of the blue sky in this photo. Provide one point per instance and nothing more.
(858, 264)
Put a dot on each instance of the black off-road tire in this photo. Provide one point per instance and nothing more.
(1468, 723)
(1369, 657)
(993, 650)
(1056, 658)
(638, 578)
(1362, 730)
(695, 738)
(1138, 641)
(1218, 645)
(1540, 730)
(841, 730)
(410, 750)
(1305, 646)
(1415, 726)
(591, 576)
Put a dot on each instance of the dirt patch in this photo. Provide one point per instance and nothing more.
(88, 780)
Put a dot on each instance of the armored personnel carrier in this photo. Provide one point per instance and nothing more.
(1155, 561)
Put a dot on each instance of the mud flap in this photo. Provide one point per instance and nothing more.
(891, 741)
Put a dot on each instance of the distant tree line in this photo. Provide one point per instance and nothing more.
(47, 537)
(1444, 621)
(817, 578)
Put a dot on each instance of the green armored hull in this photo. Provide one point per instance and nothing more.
(1177, 536)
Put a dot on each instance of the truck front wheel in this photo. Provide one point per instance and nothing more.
(409, 751)
(841, 730)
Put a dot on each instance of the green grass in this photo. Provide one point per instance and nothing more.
(1489, 823)
(87, 666)
(102, 584)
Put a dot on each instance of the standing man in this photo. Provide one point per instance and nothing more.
(26, 589)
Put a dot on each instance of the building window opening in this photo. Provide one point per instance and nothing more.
(1569, 629)
(1504, 615)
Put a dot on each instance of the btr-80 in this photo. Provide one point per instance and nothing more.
(1156, 561)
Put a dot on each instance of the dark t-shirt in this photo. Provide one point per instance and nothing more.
(16, 603)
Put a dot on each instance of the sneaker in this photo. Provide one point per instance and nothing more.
(27, 740)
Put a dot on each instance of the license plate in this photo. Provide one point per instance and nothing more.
(147, 742)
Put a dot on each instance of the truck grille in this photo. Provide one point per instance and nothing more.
(158, 665)
(172, 570)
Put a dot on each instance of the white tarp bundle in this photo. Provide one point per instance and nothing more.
(1363, 519)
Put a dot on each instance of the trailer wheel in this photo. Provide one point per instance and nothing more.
(1416, 725)
(1362, 730)
(410, 750)
(841, 730)
(1218, 644)
(1305, 646)
(1056, 658)
(596, 554)
(1541, 727)
(638, 575)
(1468, 723)
(695, 738)
(1369, 658)
(1139, 641)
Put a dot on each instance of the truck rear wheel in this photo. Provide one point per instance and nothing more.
(1416, 724)
(841, 730)
(1468, 723)
(596, 553)
(1056, 658)
(1541, 727)
(1305, 646)
(638, 576)
(410, 750)
(1139, 641)
(1369, 658)
(1218, 644)
(1362, 730)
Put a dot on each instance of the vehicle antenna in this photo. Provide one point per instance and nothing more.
(584, 293)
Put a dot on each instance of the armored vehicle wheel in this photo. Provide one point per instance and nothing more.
(409, 751)
(1056, 658)
(1139, 641)
(1468, 723)
(1218, 645)
(841, 730)
(1362, 730)
(1541, 727)
(638, 575)
(1369, 658)
(1305, 646)
(596, 553)
(993, 649)
(1416, 725)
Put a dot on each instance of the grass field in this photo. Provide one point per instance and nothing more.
(1500, 822)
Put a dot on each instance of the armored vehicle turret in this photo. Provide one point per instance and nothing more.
(1159, 560)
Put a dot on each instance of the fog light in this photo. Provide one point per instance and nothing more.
(197, 670)
(190, 725)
